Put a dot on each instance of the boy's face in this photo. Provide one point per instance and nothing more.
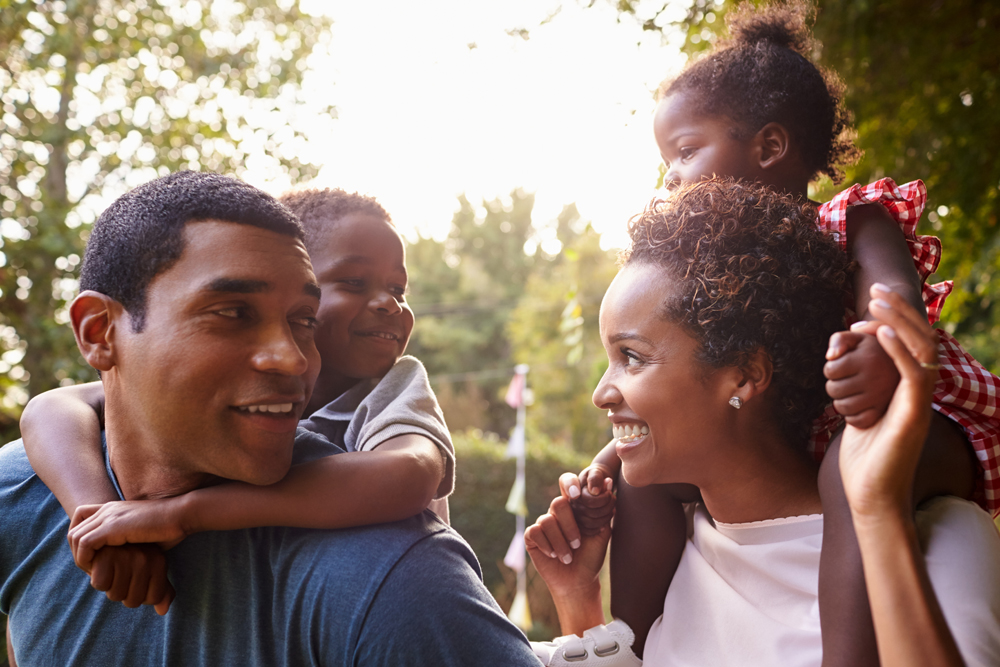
(695, 146)
(364, 320)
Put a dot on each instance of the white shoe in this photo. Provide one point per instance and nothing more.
(601, 646)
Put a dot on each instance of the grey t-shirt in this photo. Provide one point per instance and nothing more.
(405, 593)
(399, 403)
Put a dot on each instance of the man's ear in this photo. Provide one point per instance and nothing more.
(754, 376)
(95, 317)
(773, 145)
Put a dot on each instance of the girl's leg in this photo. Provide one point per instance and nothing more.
(649, 534)
(947, 467)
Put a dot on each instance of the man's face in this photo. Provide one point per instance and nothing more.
(223, 368)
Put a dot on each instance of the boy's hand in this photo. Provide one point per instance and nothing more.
(861, 377)
(133, 574)
(124, 522)
(590, 495)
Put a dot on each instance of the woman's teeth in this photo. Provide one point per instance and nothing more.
(627, 433)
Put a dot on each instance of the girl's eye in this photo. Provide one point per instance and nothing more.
(398, 290)
(307, 322)
(353, 282)
(687, 152)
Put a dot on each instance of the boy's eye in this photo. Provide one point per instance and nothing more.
(305, 321)
(353, 282)
(398, 290)
(687, 152)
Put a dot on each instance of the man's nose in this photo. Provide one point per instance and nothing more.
(278, 351)
(606, 395)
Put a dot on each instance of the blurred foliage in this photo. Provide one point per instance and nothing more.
(483, 478)
(98, 97)
(923, 80)
(511, 291)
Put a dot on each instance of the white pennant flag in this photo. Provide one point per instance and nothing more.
(515, 559)
(515, 446)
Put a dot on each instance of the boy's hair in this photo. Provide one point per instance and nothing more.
(750, 272)
(762, 74)
(141, 234)
(319, 210)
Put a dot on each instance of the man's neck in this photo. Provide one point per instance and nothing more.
(140, 462)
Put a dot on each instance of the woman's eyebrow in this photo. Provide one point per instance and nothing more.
(628, 335)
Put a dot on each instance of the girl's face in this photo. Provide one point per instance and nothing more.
(654, 386)
(364, 320)
(695, 146)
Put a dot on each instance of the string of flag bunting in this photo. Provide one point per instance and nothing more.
(518, 397)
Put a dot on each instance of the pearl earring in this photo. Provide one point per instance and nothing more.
(736, 402)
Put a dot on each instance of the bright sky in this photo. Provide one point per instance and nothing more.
(436, 98)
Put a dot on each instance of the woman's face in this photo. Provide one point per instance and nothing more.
(654, 388)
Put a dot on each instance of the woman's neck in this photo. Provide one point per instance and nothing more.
(769, 481)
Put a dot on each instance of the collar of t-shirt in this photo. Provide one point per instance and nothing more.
(343, 407)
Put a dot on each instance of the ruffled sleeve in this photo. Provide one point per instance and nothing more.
(905, 204)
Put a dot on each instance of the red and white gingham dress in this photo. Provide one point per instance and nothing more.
(965, 391)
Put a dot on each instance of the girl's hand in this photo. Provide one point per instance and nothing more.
(877, 464)
(93, 527)
(861, 377)
(590, 495)
(133, 574)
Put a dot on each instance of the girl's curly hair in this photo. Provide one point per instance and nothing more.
(763, 74)
(753, 272)
(319, 210)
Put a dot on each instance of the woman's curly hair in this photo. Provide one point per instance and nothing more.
(753, 272)
(762, 74)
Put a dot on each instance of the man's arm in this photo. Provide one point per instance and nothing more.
(433, 609)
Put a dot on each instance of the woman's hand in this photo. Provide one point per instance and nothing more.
(877, 464)
(570, 563)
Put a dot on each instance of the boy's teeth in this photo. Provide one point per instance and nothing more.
(272, 408)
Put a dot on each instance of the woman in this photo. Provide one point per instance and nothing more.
(716, 329)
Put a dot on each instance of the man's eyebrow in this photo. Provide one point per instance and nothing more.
(628, 335)
(237, 286)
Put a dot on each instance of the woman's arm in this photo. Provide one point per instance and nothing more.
(571, 575)
(395, 481)
(877, 466)
(62, 438)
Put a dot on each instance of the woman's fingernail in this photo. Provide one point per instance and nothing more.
(889, 331)
(882, 303)
(881, 288)
(859, 324)
(575, 544)
(567, 559)
(552, 554)
(574, 492)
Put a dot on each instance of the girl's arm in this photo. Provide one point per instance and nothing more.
(62, 438)
(392, 482)
(877, 244)
(877, 465)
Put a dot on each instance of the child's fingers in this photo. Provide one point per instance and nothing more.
(841, 343)
(138, 585)
(569, 485)
(120, 583)
(163, 606)
(156, 589)
(841, 389)
(83, 512)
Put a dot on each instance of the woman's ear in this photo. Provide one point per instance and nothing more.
(94, 317)
(756, 376)
(773, 147)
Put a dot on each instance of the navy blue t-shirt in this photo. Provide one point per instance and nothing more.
(405, 593)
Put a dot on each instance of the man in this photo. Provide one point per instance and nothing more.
(199, 302)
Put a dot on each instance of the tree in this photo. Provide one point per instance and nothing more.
(100, 96)
(923, 81)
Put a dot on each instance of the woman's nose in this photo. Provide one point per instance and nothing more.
(606, 396)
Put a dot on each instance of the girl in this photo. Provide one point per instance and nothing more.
(367, 399)
(756, 108)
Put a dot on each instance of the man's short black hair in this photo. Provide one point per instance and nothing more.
(141, 234)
